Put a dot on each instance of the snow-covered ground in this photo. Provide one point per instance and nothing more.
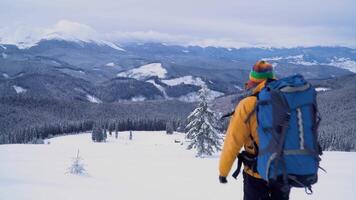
(184, 79)
(151, 166)
(322, 89)
(19, 89)
(110, 64)
(144, 71)
(93, 99)
(159, 87)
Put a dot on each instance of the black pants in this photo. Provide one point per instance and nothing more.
(258, 189)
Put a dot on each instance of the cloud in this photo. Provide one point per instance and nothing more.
(230, 34)
(148, 36)
(231, 22)
(68, 29)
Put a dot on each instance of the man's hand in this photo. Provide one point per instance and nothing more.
(222, 179)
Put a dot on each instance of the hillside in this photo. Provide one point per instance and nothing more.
(336, 102)
(91, 66)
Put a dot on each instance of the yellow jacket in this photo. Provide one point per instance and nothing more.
(238, 134)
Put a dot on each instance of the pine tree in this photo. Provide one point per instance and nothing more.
(130, 136)
(77, 167)
(202, 128)
(98, 133)
(169, 127)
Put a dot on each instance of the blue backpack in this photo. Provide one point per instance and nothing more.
(288, 120)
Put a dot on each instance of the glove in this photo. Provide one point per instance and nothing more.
(222, 179)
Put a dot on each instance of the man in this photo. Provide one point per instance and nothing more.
(242, 132)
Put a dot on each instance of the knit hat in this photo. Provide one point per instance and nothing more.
(260, 72)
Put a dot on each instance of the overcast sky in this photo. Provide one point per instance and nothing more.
(205, 22)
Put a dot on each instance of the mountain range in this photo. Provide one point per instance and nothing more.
(100, 71)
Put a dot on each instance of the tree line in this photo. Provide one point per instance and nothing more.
(28, 120)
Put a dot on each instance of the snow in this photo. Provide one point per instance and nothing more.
(159, 87)
(193, 96)
(145, 71)
(184, 79)
(25, 36)
(322, 89)
(296, 59)
(4, 55)
(138, 98)
(110, 64)
(276, 58)
(19, 89)
(93, 99)
(2, 46)
(151, 166)
(238, 87)
(345, 63)
(5, 75)
(341, 62)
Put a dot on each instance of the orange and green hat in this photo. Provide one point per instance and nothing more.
(260, 72)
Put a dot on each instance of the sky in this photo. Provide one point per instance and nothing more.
(227, 23)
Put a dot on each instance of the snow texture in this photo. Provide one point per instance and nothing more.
(138, 98)
(4, 55)
(194, 97)
(159, 87)
(345, 63)
(93, 99)
(151, 166)
(145, 71)
(184, 79)
(5, 75)
(297, 59)
(322, 89)
(202, 129)
(110, 64)
(341, 62)
(19, 89)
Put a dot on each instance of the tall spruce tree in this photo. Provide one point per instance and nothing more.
(202, 131)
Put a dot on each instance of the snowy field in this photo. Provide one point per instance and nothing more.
(150, 167)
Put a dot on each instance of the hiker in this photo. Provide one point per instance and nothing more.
(244, 134)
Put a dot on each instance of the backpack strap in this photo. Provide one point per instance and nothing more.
(227, 115)
(247, 159)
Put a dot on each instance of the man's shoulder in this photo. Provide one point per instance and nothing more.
(247, 104)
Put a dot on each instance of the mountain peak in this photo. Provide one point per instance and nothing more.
(25, 37)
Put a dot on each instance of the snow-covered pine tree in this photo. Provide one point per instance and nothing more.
(202, 130)
(77, 167)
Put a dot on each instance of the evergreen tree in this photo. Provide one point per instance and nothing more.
(116, 131)
(169, 127)
(77, 167)
(130, 136)
(98, 134)
(202, 130)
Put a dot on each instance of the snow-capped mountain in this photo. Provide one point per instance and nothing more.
(76, 57)
(64, 30)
